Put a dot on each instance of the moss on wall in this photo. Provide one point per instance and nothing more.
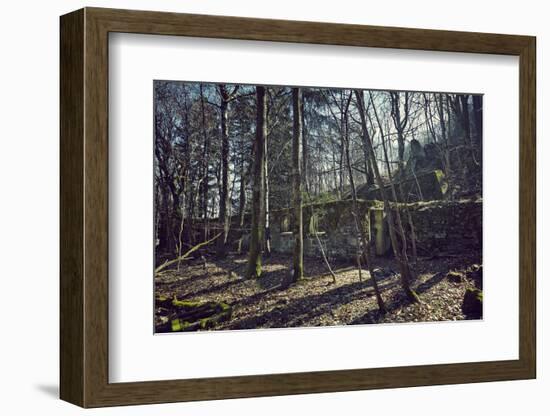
(444, 226)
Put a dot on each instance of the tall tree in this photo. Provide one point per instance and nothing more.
(464, 100)
(304, 146)
(297, 220)
(254, 269)
(400, 119)
(244, 177)
(267, 241)
(400, 255)
(205, 164)
(439, 102)
(393, 187)
(478, 121)
(362, 240)
(225, 98)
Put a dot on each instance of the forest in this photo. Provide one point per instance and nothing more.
(285, 206)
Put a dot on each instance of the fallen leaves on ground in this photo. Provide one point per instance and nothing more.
(269, 302)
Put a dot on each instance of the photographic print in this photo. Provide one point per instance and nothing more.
(293, 206)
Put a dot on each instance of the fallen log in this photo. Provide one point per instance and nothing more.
(185, 316)
(186, 255)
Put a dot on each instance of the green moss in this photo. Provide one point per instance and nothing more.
(454, 276)
(258, 269)
(179, 325)
(413, 296)
(185, 304)
(479, 295)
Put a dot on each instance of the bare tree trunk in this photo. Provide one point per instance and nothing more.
(325, 259)
(164, 232)
(444, 136)
(429, 118)
(180, 236)
(242, 205)
(266, 203)
(190, 236)
(394, 194)
(205, 174)
(225, 220)
(478, 122)
(334, 171)
(407, 211)
(224, 194)
(400, 121)
(369, 176)
(156, 212)
(304, 149)
(184, 256)
(254, 268)
(467, 129)
(297, 223)
(362, 240)
(341, 172)
(319, 243)
(456, 155)
(401, 256)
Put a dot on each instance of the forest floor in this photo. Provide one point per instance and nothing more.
(269, 302)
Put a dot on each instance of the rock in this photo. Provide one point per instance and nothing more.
(454, 276)
(383, 273)
(432, 183)
(476, 275)
(472, 305)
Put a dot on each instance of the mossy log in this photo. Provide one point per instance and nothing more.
(455, 277)
(185, 316)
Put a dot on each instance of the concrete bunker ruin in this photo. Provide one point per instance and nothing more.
(440, 226)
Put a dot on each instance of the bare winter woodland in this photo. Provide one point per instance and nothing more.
(282, 206)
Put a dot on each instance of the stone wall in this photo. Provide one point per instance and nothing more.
(441, 226)
(448, 226)
(334, 225)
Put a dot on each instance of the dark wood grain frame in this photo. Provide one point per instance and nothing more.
(84, 207)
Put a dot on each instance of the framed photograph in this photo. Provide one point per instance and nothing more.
(255, 207)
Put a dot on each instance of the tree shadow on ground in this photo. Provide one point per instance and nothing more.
(361, 291)
(399, 301)
(177, 280)
(277, 279)
(297, 311)
(211, 290)
(224, 267)
(431, 282)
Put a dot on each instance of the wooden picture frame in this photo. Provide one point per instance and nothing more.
(84, 207)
